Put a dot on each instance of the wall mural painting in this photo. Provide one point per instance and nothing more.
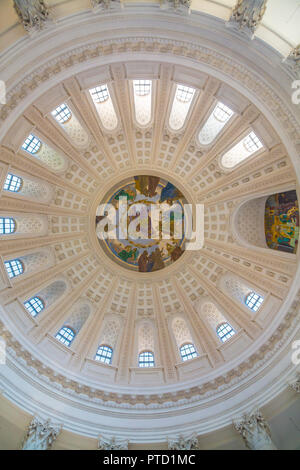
(146, 254)
(282, 222)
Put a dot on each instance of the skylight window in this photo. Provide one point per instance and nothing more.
(65, 335)
(215, 123)
(62, 113)
(242, 150)
(142, 87)
(104, 106)
(142, 101)
(14, 267)
(180, 107)
(99, 94)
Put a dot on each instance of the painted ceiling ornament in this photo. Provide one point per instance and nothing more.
(40, 435)
(144, 229)
(99, 5)
(33, 14)
(184, 443)
(112, 443)
(255, 431)
(247, 15)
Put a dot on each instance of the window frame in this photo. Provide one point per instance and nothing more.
(259, 301)
(227, 335)
(10, 183)
(105, 357)
(7, 222)
(185, 357)
(66, 341)
(147, 364)
(19, 263)
(32, 306)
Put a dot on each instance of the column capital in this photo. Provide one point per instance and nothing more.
(33, 14)
(255, 431)
(247, 15)
(184, 443)
(112, 443)
(40, 435)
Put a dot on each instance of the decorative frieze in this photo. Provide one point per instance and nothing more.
(40, 435)
(33, 14)
(247, 15)
(255, 431)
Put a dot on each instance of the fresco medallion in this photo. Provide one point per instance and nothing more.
(135, 238)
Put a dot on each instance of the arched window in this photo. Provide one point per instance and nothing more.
(99, 93)
(65, 335)
(14, 267)
(7, 225)
(254, 301)
(215, 123)
(184, 93)
(32, 144)
(104, 354)
(188, 351)
(225, 331)
(62, 113)
(242, 150)
(34, 305)
(12, 183)
(142, 87)
(146, 359)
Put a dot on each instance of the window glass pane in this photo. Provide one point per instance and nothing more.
(225, 331)
(104, 354)
(254, 301)
(142, 87)
(32, 144)
(184, 93)
(65, 335)
(12, 183)
(14, 267)
(7, 225)
(62, 113)
(99, 93)
(34, 306)
(146, 359)
(188, 351)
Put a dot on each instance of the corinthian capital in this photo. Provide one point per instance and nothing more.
(184, 443)
(255, 431)
(247, 15)
(33, 14)
(111, 443)
(296, 385)
(105, 4)
(40, 435)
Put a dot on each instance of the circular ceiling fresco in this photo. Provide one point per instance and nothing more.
(140, 224)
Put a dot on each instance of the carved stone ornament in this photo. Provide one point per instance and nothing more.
(105, 5)
(184, 443)
(255, 431)
(296, 385)
(112, 443)
(179, 5)
(40, 435)
(247, 15)
(33, 14)
(293, 60)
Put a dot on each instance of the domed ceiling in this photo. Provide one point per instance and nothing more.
(84, 133)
